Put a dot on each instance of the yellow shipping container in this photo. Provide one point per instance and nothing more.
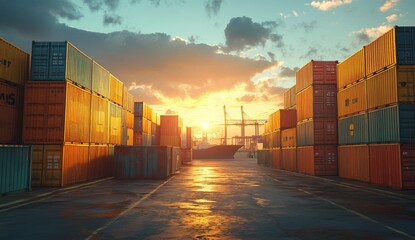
(14, 63)
(396, 84)
(116, 90)
(352, 100)
(351, 69)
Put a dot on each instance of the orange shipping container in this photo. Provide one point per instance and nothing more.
(60, 165)
(170, 125)
(128, 101)
(289, 159)
(316, 72)
(11, 108)
(352, 100)
(14, 63)
(317, 101)
(174, 141)
(351, 69)
(99, 165)
(115, 124)
(99, 120)
(276, 158)
(354, 162)
(283, 119)
(396, 84)
(317, 160)
(55, 113)
(290, 98)
(116, 90)
(289, 137)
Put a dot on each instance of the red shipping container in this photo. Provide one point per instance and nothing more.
(316, 72)
(99, 165)
(354, 162)
(11, 102)
(170, 125)
(393, 165)
(55, 113)
(276, 158)
(317, 160)
(289, 159)
(138, 139)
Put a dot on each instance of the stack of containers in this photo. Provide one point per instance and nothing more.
(390, 72)
(284, 139)
(145, 125)
(264, 155)
(127, 119)
(317, 118)
(290, 98)
(72, 115)
(187, 146)
(171, 130)
(15, 160)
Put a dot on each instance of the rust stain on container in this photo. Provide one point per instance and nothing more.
(351, 69)
(318, 160)
(352, 100)
(14, 63)
(316, 72)
(55, 112)
(11, 108)
(354, 162)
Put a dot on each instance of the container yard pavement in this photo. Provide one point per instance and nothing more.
(213, 199)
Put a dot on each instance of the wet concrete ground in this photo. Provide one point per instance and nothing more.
(214, 199)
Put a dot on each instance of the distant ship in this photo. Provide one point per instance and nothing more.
(216, 152)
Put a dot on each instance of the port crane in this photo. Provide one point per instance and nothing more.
(245, 121)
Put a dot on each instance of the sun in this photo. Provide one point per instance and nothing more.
(205, 125)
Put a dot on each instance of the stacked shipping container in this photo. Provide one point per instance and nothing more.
(317, 118)
(146, 125)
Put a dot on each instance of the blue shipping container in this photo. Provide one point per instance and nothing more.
(353, 130)
(15, 168)
(395, 124)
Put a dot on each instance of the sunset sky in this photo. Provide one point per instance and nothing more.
(194, 56)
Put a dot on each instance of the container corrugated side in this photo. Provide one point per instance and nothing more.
(276, 158)
(128, 100)
(289, 159)
(352, 100)
(318, 160)
(289, 137)
(37, 165)
(11, 110)
(100, 80)
(139, 109)
(319, 131)
(59, 61)
(286, 118)
(354, 162)
(353, 130)
(99, 165)
(316, 72)
(317, 101)
(115, 124)
(407, 152)
(397, 46)
(56, 112)
(169, 125)
(99, 120)
(385, 165)
(290, 98)
(394, 124)
(14, 63)
(352, 69)
(170, 141)
(15, 168)
(116, 90)
(396, 84)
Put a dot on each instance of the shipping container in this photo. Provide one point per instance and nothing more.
(99, 120)
(318, 131)
(289, 137)
(14, 63)
(60, 61)
(317, 101)
(354, 130)
(189, 137)
(55, 113)
(100, 80)
(116, 90)
(276, 158)
(290, 98)
(397, 46)
(174, 141)
(128, 100)
(176, 160)
(394, 124)
(351, 70)
(115, 113)
(394, 85)
(140, 162)
(187, 156)
(268, 159)
(283, 119)
(141, 139)
(261, 157)
(61, 165)
(407, 153)
(354, 162)
(99, 165)
(289, 159)
(352, 100)
(139, 109)
(318, 160)
(275, 139)
(316, 72)
(170, 125)
(11, 109)
(15, 168)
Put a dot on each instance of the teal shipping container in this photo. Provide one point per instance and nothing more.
(100, 80)
(143, 162)
(60, 61)
(319, 131)
(353, 130)
(395, 124)
(15, 168)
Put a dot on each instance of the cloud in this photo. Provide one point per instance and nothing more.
(96, 5)
(308, 26)
(295, 13)
(365, 35)
(329, 4)
(242, 33)
(388, 5)
(392, 18)
(213, 7)
(112, 19)
(288, 72)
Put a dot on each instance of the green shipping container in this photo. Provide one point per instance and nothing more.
(100, 80)
(395, 124)
(353, 130)
(60, 61)
(15, 168)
